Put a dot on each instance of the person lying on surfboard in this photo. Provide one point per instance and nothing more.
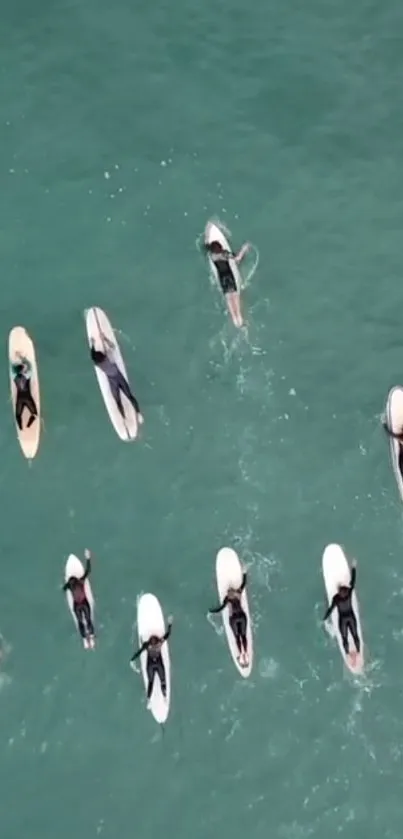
(347, 620)
(155, 664)
(82, 609)
(116, 379)
(221, 259)
(238, 619)
(21, 371)
(396, 435)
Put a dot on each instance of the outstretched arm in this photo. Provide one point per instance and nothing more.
(243, 584)
(242, 252)
(140, 651)
(353, 575)
(331, 607)
(219, 608)
(108, 342)
(87, 571)
(168, 632)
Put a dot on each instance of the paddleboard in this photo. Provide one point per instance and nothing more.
(336, 572)
(394, 419)
(20, 341)
(213, 233)
(229, 574)
(150, 621)
(97, 325)
(75, 568)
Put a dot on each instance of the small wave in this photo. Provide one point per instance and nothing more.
(248, 273)
(268, 668)
(5, 681)
(218, 627)
(126, 339)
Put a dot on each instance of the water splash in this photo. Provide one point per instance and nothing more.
(248, 273)
(5, 649)
(126, 339)
(5, 681)
(268, 668)
(218, 627)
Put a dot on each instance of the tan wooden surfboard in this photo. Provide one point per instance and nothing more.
(20, 342)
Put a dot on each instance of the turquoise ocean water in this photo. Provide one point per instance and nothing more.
(124, 127)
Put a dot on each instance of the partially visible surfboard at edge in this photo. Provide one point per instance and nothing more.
(394, 418)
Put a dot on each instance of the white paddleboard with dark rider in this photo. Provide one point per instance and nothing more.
(224, 265)
(80, 598)
(234, 607)
(154, 655)
(120, 402)
(343, 608)
(24, 384)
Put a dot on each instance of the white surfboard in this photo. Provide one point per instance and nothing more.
(150, 621)
(394, 419)
(336, 572)
(213, 233)
(75, 568)
(98, 324)
(229, 574)
(20, 342)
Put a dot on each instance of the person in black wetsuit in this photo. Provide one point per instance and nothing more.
(347, 620)
(155, 664)
(396, 435)
(116, 379)
(238, 619)
(222, 262)
(221, 259)
(21, 372)
(82, 609)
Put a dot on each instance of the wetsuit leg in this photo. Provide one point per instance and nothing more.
(115, 390)
(344, 627)
(151, 671)
(25, 400)
(401, 458)
(124, 387)
(19, 409)
(352, 626)
(234, 624)
(30, 404)
(86, 608)
(242, 626)
(161, 672)
(79, 613)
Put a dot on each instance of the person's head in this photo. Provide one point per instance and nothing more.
(215, 247)
(344, 591)
(154, 640)
(18, 368)
(232, 594)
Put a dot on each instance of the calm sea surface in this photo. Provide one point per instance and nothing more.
(124, 127)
